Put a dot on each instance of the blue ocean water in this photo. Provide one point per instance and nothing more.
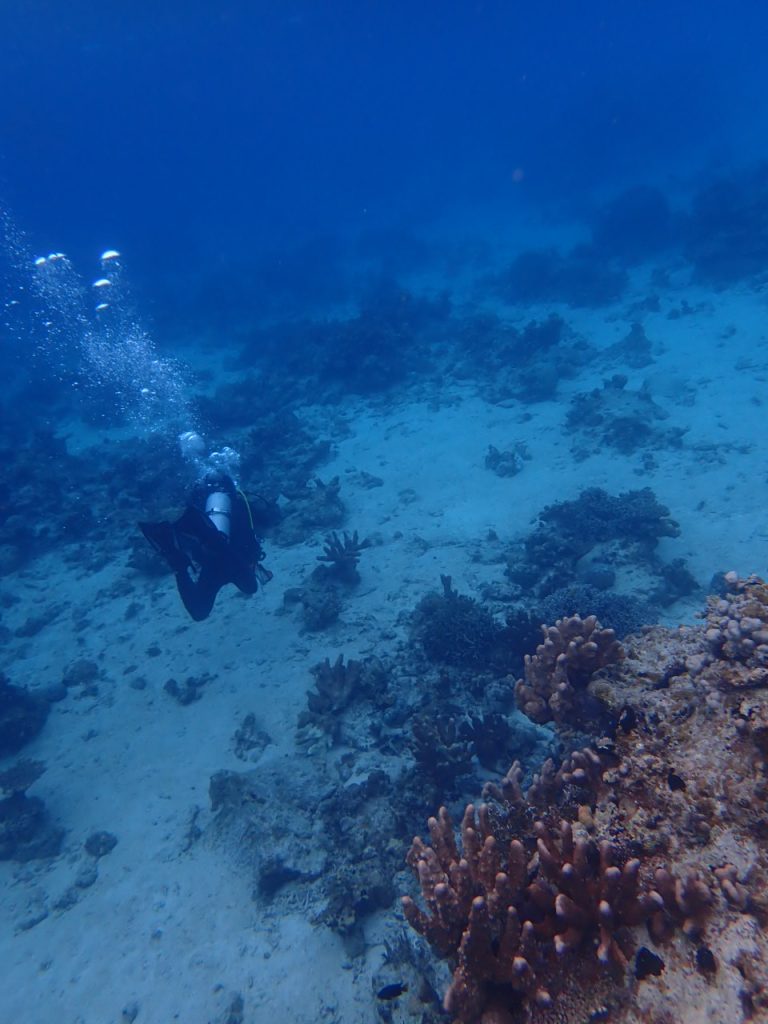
(442, 321)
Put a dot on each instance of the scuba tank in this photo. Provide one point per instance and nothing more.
(218, 508)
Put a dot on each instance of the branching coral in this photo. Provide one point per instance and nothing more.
(337, 686)
(441, 749)
(579, 775)
(508, 910)
(573, 650)
(581, 542)
(654, 836)
(341, 555)
(455, 629)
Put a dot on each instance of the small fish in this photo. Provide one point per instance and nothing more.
(103, 282)
(392, 991)
(40, 261)
(101, 306)
(110, 254)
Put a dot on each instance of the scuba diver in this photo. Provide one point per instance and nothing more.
(211, 544)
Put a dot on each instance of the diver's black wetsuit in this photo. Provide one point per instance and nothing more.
(203, 558)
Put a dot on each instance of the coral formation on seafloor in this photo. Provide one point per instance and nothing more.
(629, 883)
(616, 416)
(455, 629)
(341, 555)
(336, 686)
(26, 829)
(585, 543)
(22, 716)
(573, 650)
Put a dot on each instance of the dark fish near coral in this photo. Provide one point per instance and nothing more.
(391, 991)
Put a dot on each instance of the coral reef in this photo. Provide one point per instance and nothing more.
(582, 542)
(250, 740)
(582, 277)
(322, 360)
(738, 630)
(315, 506)
(634, 350)
(20, 776)
(622, 612)
(336, 686)
(726, 233)
(622, 882)
(634, 226)
(595, 516)
(377, 348)
(331, 840)
(341, 556)
(99, 844)
(188, 691)
(322, 594)
(675, 581)
(22, 716)
(441, 748)
(573, 650)
(282, 454)
(26, 830)
(320, 605)
(508, 911)
(615, 416)
(508, 462)
(528, 363)
(455, 629)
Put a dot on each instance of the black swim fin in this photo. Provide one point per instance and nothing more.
(262, 575)
(163, 539)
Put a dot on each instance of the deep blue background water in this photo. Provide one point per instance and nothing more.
(197, 137)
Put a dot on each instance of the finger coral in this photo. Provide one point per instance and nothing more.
(572, 651)
(508, 910)
(629, 882)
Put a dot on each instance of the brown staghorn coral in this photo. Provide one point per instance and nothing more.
(681, 786)
(508, 910)
(572, 651)
(575, 781)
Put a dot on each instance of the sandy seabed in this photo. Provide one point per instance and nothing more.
(168, 930)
